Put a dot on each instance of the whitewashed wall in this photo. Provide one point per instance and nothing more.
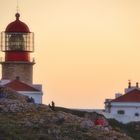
(36, 95)
(129, 108)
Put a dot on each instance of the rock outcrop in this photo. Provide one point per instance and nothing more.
(21, 120)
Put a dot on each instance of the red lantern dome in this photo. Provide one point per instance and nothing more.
(17, 26)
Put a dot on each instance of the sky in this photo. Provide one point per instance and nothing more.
(85, 50)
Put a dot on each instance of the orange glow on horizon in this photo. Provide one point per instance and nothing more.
(85, 50)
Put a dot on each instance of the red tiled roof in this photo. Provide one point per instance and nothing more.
(20, 86)
(132, 96)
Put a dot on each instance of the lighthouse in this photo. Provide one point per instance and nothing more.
(17, 42)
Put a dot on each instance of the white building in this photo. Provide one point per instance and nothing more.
(124, 108)
(34, 91)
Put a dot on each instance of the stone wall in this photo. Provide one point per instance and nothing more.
(24, 70)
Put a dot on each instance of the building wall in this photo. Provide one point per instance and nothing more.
(37, 96)
(24, 70)
(130, 110)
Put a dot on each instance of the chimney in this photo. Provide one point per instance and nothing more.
(129, 84)
(137, 85)
(17, 78)
(117, 95)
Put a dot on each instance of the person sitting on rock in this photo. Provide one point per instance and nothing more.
(32, 100)
(2, 93)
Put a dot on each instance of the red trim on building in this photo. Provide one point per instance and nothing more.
(17, 56)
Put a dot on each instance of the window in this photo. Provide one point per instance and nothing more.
(121, 112)
(16, 42)
(137, 114)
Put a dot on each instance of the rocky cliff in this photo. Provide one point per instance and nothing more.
(22, 120)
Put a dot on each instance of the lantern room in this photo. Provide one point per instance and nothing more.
(17, 41)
